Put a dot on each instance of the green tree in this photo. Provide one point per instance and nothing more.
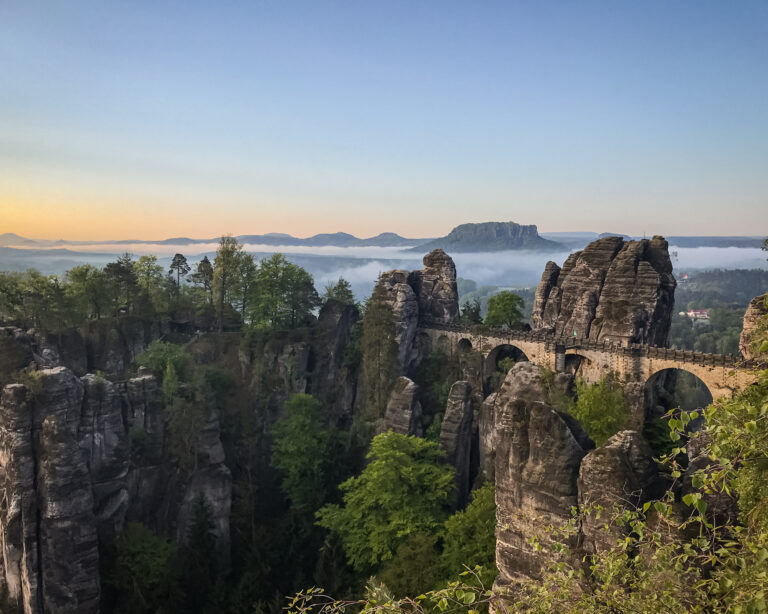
(180, 266)
(379, 348)
(414, 568)
(10, 296)
(198, 556)
(122, 280)
(470, 537)
(405, 489)
(283, 295)
(203, 277)
(340, 291)
(504, 310)
(87, 286)
(246, 279)
(148, 273)
(471, 313)
(302, 452)
(140, 570)
(226, 271)
(600, 408)
(159, 354)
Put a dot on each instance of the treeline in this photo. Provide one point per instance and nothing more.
(233, 290)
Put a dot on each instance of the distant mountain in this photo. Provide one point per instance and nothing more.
(491, 237)
(716, 241)
(336, 239)
(11, 238)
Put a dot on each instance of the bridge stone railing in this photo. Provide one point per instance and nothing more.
(635, 349)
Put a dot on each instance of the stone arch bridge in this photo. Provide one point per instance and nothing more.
(634, 364)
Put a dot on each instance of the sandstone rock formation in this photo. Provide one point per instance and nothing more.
(756, 311)
(486, 439)
(456, 436)
(403, 414)
(436, 290)
(405, 307)
(538, 454)
(611, 290)
(70, 477)
(620, 472)
(420, 298)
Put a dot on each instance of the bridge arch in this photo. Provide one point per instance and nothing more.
(464, 345)
(672, 387)
(576, 363)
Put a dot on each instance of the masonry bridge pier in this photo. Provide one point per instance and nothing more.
(633, 364)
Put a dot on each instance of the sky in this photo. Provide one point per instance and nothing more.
(150, 120)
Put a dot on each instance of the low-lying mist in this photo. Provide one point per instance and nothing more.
(362, 265)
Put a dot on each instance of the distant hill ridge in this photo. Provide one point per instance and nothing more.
(491, 237)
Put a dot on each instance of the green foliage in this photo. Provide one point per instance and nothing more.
(435, 376)
(414, 567)
(180, 267)
(504, 309)
(340, 291)
(140, 572)
(656, 433)
(283, 295)
(380, 363)
(718, 335)
(170, 383)
(471, 313)
(503, 367)
(470, 536)
(404, 490)
(303, 451)
(230, 257)
(198, 556)
(600, 408)
(159, 354)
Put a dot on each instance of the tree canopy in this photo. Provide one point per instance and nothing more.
(405, 489)
(504, 310)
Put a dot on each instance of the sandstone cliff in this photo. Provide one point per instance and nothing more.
(613, 290)
(420, 298)
(545, 466)
(70, 478)
(756, 311)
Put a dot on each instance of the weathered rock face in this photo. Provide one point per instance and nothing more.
(486, 439)
(403, 413)
(405, 307)
(456, 436)
(756, 311)
(620, 472)
(333, 380)
(611, 290)
(420, 298)
(50, 547)
(73, 470)
(538, 453)
(436, 290)
(546, 465)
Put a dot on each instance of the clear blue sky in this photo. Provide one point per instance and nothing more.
(153, 119)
